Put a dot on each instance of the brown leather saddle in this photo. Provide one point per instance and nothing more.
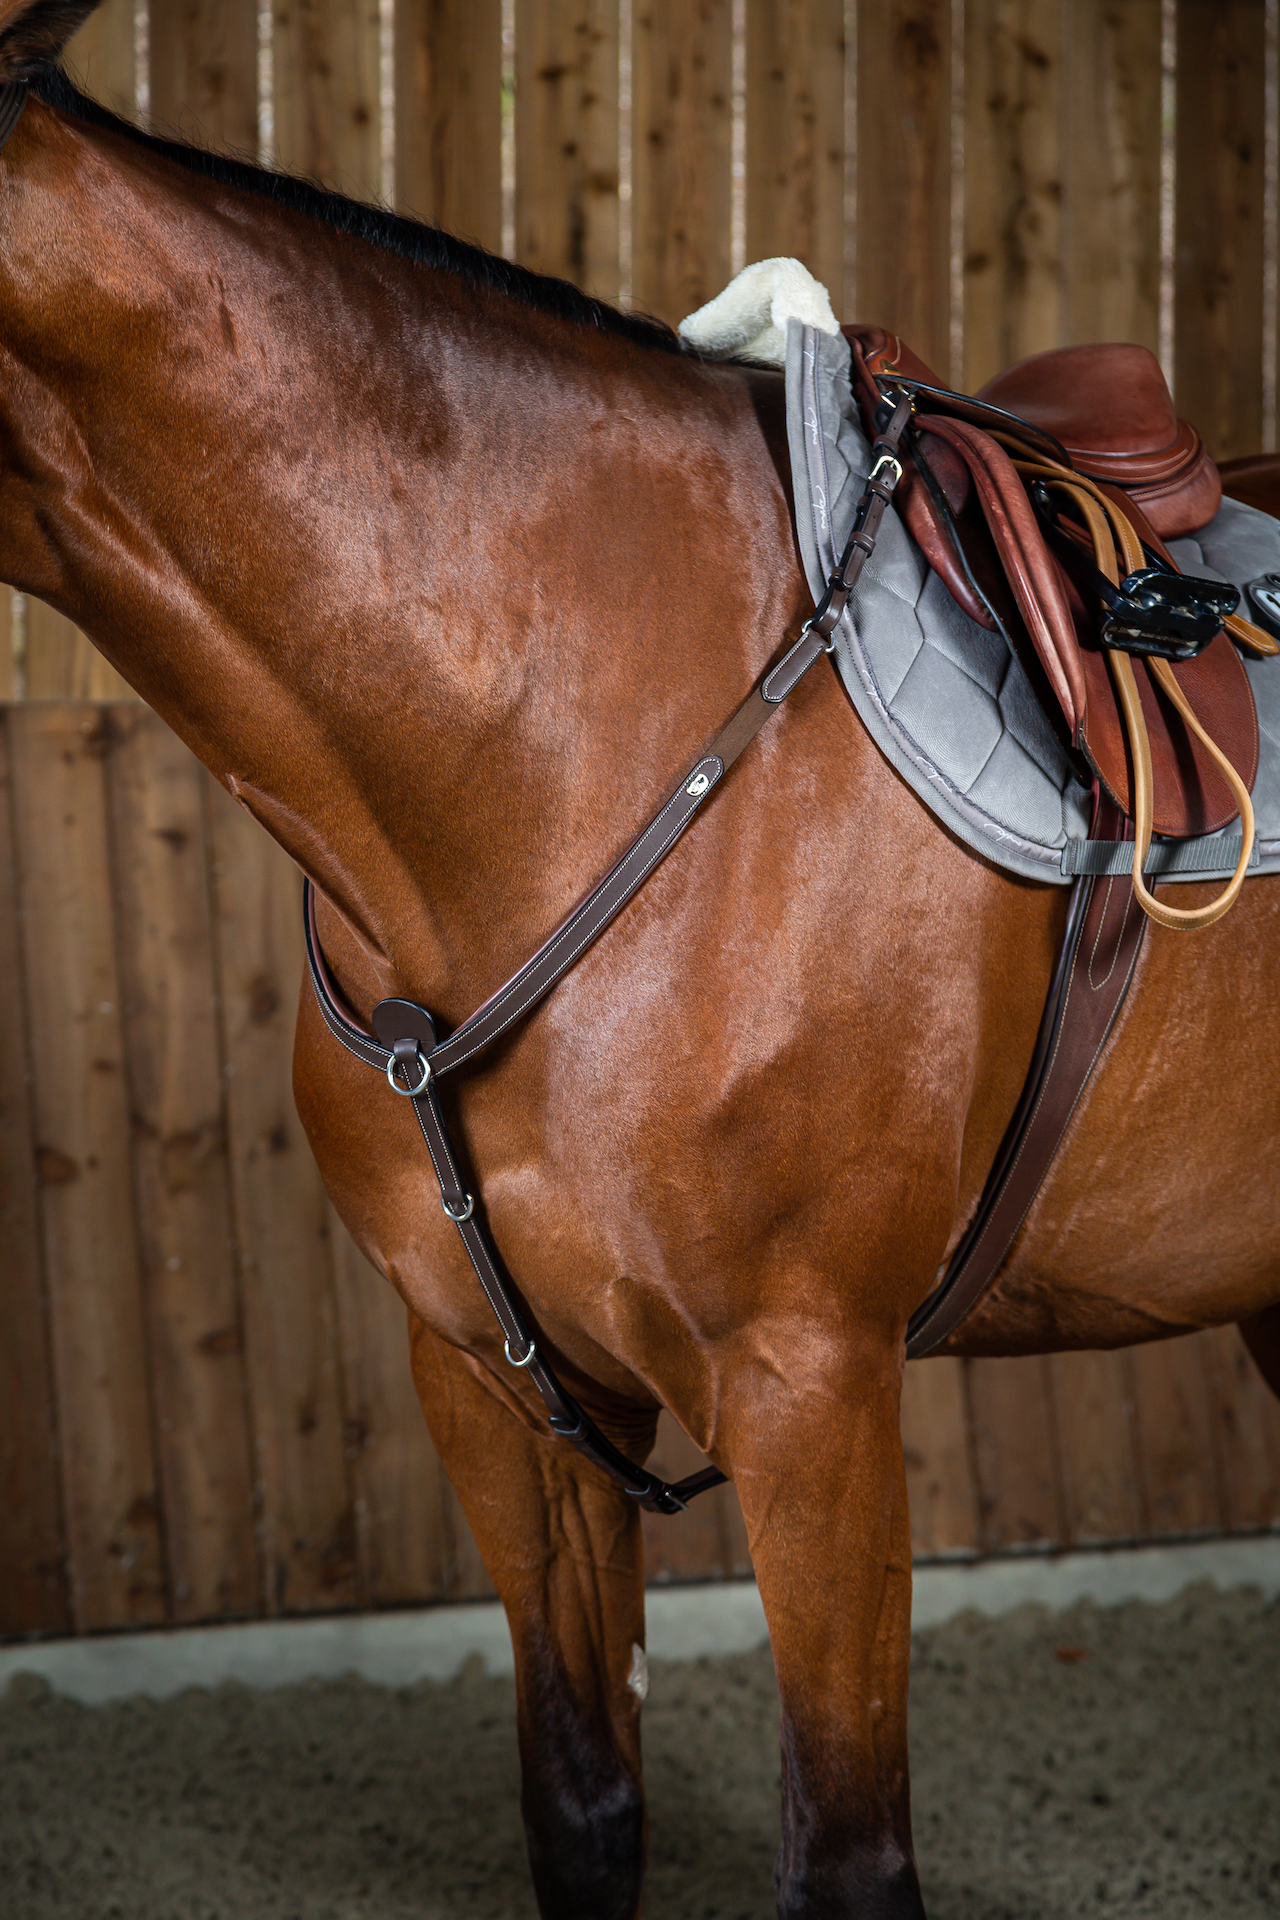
(1045, 502)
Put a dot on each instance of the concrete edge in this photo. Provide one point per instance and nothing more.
(684, 1623)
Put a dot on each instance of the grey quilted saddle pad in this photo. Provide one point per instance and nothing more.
(945, 700)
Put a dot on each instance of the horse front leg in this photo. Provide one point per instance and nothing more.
(564, 1550)
(815, 1451)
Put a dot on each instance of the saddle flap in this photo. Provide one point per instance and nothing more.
(1111, 408)
(1190, 795)
(873, 349)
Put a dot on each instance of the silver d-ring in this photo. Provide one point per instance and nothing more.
(410, 1093)
(511, 1357)
(466, 1213)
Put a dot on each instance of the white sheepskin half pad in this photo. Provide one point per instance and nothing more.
(749, 319)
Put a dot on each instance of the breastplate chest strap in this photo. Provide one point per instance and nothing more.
(1103, 934)
(404, 1044)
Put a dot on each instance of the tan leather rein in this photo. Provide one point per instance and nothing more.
(1111, 533)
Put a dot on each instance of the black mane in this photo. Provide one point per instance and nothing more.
(412, 239)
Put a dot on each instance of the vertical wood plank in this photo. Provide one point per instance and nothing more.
(1175, 1437)
(33, 1595)
(1013, 186)
(101, 56)
(700, 1544)
(681, 126)
(204, 71)
(307, 1538)
(82, 1159)
(64, 664)
(1219, 244)
(449, 115)
(935, 1445)
(8, 664)
(1094, 1417)
(1014, 1452)
(1246, 1416)
(795, 135)
(401, 1528)
(326, 67)
(567, 141)
(1111, 171)
(904, 172)
(180, 1168)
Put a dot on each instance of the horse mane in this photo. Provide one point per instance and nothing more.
(428, 246)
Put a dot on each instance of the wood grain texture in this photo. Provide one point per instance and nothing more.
(706, 1542)
(1219, 237)
(9, 666)
(33, 1592)
(307, 1524)
(449, 115)
(204, 71)
(567, 141)
(681, 138)
(102, 56)
(935, 1445)
(1246, 1417)
(1111, 171)
(1176, 1438)
(195, 1337)
(1013, 183)
(82, 1160)
(795, 136)
(1015, 1453)
(1095, 1420)
(63, 664)
(397, 1479)
(326, 92)
(903, 278)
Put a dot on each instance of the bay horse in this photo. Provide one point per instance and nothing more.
(445, 571)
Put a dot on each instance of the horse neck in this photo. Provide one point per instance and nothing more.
(430, 581)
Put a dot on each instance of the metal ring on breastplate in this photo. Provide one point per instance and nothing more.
(409, 1093)
(507, 1349)
(458, 1218)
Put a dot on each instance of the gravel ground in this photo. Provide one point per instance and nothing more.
(1119, 1761)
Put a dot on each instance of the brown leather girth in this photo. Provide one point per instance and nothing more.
(1099, 952)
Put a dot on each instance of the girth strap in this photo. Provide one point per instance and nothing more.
(1094, 971)
(404, 1044)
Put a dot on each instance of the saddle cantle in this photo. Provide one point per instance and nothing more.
(1111, 408)
(1010, 489)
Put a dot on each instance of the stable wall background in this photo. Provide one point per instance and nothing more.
(205, 1405)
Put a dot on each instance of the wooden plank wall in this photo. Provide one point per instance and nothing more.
(205, 1402)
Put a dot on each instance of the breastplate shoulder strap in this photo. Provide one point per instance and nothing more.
(404, 1043)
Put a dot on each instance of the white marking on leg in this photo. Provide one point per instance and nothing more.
(638, 1678)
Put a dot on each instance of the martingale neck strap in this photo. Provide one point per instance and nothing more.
(404, 1045)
